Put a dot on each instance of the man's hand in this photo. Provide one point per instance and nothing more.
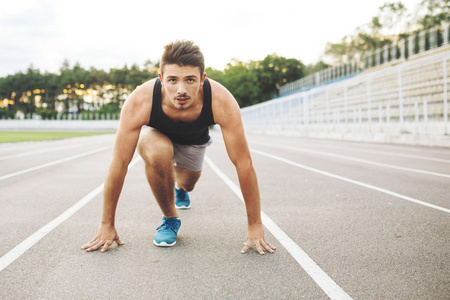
(255, 237)
(105, 237)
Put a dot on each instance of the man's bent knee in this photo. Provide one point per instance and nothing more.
(154, 146)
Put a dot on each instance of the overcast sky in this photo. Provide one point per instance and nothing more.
(107, 34)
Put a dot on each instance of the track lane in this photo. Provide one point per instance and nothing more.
(30, 155)
(364, 234)
(394, 180)
(372, 246)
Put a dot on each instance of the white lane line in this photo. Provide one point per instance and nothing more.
(360, 150)
(20, 249)
(369, 162)
(396, 154)
(53, 163)
(322, 279)
(37, 152)
(352, 181)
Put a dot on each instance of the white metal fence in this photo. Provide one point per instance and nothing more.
(406, 48)
(404, 103)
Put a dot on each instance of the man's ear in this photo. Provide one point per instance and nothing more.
(161, 78)
(203, 78)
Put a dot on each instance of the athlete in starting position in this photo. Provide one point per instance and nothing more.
(167, 119)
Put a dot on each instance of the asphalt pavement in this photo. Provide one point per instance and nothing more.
(350, 221)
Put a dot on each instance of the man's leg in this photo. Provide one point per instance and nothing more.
(186, 179)
(156, 150)
(185, 182)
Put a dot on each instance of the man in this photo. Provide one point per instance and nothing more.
(167, 119)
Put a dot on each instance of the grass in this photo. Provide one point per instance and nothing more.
(26, 136)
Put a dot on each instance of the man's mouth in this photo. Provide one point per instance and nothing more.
(182, 100)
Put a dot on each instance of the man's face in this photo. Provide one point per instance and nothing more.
(181, 84)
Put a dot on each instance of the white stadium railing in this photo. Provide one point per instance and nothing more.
(405, 102)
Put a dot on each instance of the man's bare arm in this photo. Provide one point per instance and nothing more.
(135, 113)
(227, 114)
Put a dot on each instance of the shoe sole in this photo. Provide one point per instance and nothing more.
(164, 244)
(183, 207)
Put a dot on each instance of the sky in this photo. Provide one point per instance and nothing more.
(108, 34)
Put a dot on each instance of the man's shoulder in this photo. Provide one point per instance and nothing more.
(224, 105)
(218, 91)
(137, 107)
(145, 89)
(142, 93)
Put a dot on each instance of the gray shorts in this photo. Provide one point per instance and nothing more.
(189, 156)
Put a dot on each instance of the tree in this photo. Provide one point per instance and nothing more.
(73, 84)
(137, 76)
(250, 83)
(389, 25)
(32, 82)
(51, 90)
(345, 50)
(81, 78)
(384, 28)
(216, 75)
(389, 22)
(274, 71)
(436, 12)
(242, 83)
(313, 68)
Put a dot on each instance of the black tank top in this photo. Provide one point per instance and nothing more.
(189, 133)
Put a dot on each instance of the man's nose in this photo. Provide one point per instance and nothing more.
(181, 88)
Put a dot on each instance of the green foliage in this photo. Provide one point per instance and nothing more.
(390, 24)
(388, 17)
(436, 12)
(98, 77)
(47, 114)
(258, 81)
(6, 113)
(274, 71)
(110, 108)
(370, 36)
(39, 93)
(242, 83)
(216, 75)
(313, 68)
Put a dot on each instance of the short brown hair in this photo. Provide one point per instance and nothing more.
(183, 53)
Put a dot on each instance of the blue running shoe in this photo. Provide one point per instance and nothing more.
(182, 200)
(166, 233)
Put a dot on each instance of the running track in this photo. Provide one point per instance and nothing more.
(350, 221)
